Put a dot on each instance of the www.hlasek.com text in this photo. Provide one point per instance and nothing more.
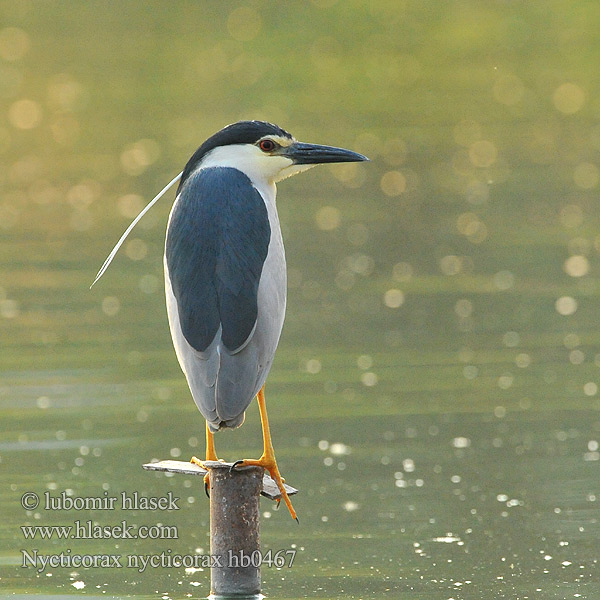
(88, 530)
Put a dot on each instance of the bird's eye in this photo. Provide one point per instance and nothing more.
(267, 145)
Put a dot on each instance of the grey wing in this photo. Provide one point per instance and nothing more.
(217, 244)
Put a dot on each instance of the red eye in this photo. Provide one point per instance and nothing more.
(267, 145)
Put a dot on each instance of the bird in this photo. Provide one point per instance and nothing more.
(225, 272)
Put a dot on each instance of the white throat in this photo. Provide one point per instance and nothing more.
(262, 169)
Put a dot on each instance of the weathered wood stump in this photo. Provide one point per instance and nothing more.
(234, 523)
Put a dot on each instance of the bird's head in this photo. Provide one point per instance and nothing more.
(263, 151)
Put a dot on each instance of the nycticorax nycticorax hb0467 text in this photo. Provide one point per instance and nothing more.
(225, 271)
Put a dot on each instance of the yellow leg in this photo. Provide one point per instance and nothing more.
(211, 454)
(267, 460)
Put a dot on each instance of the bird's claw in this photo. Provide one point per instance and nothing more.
(200, 463)
(234, 465)
(268, 463)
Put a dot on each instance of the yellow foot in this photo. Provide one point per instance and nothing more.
(200, 463)
(211, 454)
(271, 467)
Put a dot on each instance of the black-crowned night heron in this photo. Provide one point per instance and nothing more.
(225, 271)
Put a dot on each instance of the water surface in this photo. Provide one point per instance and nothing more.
(435, 394)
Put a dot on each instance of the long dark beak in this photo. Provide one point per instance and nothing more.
(313, 154)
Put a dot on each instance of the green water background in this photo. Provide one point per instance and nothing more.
(435, 392)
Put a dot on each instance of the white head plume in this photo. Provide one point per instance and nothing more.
(133, 224)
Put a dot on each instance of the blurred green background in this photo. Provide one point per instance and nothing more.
(435, 393)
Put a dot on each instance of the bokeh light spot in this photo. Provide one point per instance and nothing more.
(364, 362)
(136, 249)
(9, 216)
(137, 157)
(328, 218)
(369, 379)
(511, 339)
(571, 216)
(565, 305)
(149, 284)
(500, 411)
(469, 225)
(576, 357)
(393, 183)
(313, 366)
(9, 308)
(470, 372)
(25, 114)
(393, 298)
(483, 153)
(576, 266)
(504, 280)
(352, 175)
(65, 94)
(586, 175)
(571, 340)
(522, 360)
(361, 264)
(463, 308)
(339, 449)
(130, 205)
(82, 195)
(350, 506)
(568, 98)
(43, 402)
(111, 306)
(451, 265)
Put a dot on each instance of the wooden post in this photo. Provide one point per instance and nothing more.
(234, 523)
(235, 530)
